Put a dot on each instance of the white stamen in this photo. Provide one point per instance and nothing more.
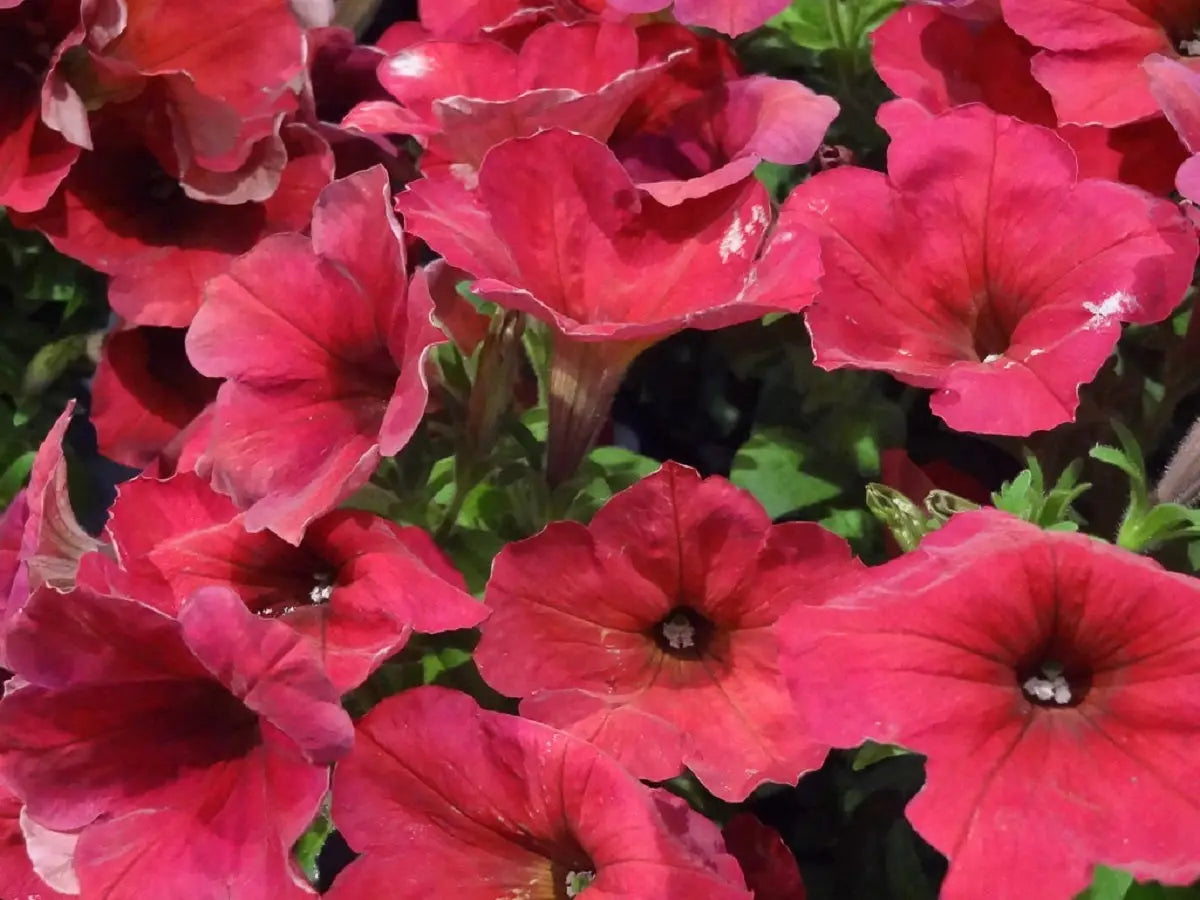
(1189, 48)
(321, 592)
(577, 881)
(992, 357)
(1052, 687)
(679, 632)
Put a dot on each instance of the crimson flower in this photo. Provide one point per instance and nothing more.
(935, 58)
(540, 815)
(356, 587)
(43, 123)
(186, 754)
(321, 345)
(648, 632)
(1090, 54)
(981, 267)
(558, 229)
(123, 212)
(221, 77)
(1052, 699)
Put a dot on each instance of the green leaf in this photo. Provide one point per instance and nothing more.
(308, 847)
(51, 361)
(605, 471)
(14, 476)
(870, 753)
(832, 24)
(771, 466)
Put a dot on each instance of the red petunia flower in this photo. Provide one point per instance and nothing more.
(558, 229)
(356, 587)
(43, 123)
(122, 212)
(462, 99)
(981, 267)
(145, 393)
(188, 754)
(941, 61)
(1176, 87)
(1054, 699)
(222, 77)
(322, 346)
(505, 807)
(769, 866)
(732, 17)
(648, 632)
(1090, 54)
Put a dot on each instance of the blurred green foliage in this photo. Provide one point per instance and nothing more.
(50, 306)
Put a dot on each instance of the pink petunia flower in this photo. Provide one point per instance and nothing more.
(558, 229)
(1090, 54)
(321, 344)
(1051, 680)
(356, 587)
(445, 799)
(938, 60)
(648, 632)
(980, 266)
(187, 755)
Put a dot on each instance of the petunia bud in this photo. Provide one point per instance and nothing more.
(904, 519)
(495, 375)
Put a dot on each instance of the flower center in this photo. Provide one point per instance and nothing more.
(991, 331)
(683, 633)
(1051, 685)
(576, 882)
(322, 589)
(320, 593)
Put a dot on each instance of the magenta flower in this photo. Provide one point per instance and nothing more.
(1051, 680)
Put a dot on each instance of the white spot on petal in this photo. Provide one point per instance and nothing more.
(733, 241)
(410, 64)
(1116, 305)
